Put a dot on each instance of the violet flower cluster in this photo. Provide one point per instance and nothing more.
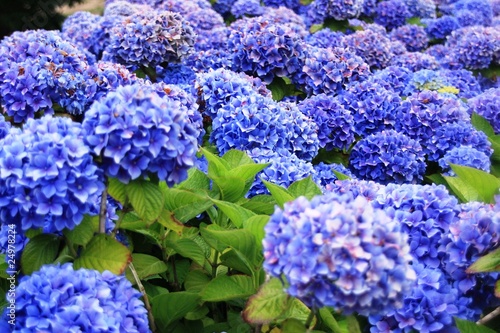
(337, 250)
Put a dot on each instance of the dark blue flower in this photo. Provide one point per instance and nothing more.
(393, 78)
(61, 299)
(325, 38)
(372, 46)
(391, 13)
(388, 157)
(421, 8)
(323, 173)
(337, 250)
(441, 27)
(466, 156)
(137, 132)
(241, 8)
(413, 36)
(335, 123)
(415, 61)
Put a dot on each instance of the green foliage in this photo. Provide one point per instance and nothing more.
(40, 250)
(472, 184)
(487, 263)
(465, 326)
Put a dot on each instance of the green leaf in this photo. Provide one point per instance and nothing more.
(481, 124)
(437, 178)
(415, 20)
(82, 233)
(186, 204)
(188, 248)
(256, 225)
(104, 253)
(298, 310)
(225, 288)
(497, 289)
(236, 213)
(146, 199)
(145, 265)
(352, 325)
(131, 221)
(293, 325)
(235, 158)
(465, 326)
(232, 188)
(197, 180)
(305, 187)
(340, 175)
(495, 144)
(260, 204)
(40, 250)
(485, 185)
(247, 173)
(267, 304)
(117, 190)
(196, 280)
(238, 239)
(487, 263)
(329, 320)
(217, 167)
(280, 194)
(462, 190)
(236, 260)
(167, 308)
(169, 221)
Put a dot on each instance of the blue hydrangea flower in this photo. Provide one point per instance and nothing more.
(204, 19)
(179, 74)
(393, 78)
(356, 187)
(430, 307)
(223, 7)
(475, 47)
(284, 169)
(330, 70)
(337, 9)
(373, 107)
(241, 8)
(415, 61)
(323, 173)
(444, 57)
(205, 61)
(219, 87)
(335, 123)
(149, 39)
(108, 76)
(441, 27)
(126, 8)
(48, 176)
(424, 112)
(213, 39)
(372, 46)
(474, 234)
(455, 134)
(481, 10)
(392, 13)
(136, 133)
(424, 9)
(487, 105)
(58, 298)
(425, 212)
(413, 36)
(265, 49)
(339, 251)
(464, 155)
(82, 29)
(325, 38)
(38, 69)
(292, 4)
(388, 157)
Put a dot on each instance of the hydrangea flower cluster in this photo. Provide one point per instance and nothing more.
(373, 107)
(466, 156)
(425, 9)
(294, 5)
(487, 105)
(337, 9)
(126, 8)
(441, 27)
(413, 36)
(339, 251)
(284, 169)
(136, 133)
(391, 13)
(393, 78)
(219, 87)
(335, 123)
(325, 38)
(241, 8)
(424, 112)
(48, 176)
(455, 134)
(82, 28)
(425, 213)
(149, 39)
(330, 70)
(373, 46)
(388, 157)
(204, 19)
(430, 307)
(480, 10)
(59, 298)
(38, 69)
(415, 61)
(475, 233)
(475, 47)
(265, 49)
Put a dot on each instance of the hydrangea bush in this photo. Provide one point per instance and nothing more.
(253, 166)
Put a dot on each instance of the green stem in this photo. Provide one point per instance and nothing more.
(152, 325)
(103, 212)
(309, 321)
(489, 316)
(71, 248)
(214, 264)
